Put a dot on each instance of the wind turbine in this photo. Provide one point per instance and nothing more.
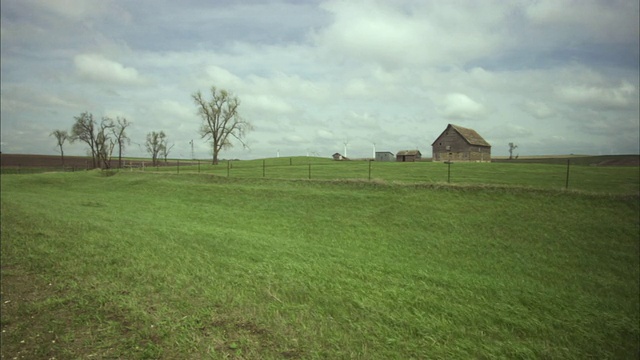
(346, 142)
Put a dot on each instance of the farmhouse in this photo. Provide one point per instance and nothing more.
(408, 155)
(385, 156)
(457, 143)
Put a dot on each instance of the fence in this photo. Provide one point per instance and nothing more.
(611, 179)
(565, 176)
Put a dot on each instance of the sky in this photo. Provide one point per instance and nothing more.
(552, 76)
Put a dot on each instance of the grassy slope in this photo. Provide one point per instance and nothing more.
(165, 266)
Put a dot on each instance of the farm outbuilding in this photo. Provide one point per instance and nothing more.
(408, 155)
(339, 157)
(457, 143)
(385, 156)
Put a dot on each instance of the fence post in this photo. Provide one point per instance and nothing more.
(198, 166)
(178, 166)
(263, 167)
(369, 170)
(228, 167)
(566, 184)
(309, 171)
(448, 171)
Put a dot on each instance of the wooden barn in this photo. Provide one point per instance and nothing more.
(338, 157)
(408, 155)
(385, 156)
(457, 143)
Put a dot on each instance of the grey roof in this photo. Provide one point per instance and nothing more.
(409, 152)
(469, 135)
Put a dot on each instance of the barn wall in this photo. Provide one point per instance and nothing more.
(380, 156)
(459, 149)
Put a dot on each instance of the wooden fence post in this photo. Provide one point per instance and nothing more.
(566, 184)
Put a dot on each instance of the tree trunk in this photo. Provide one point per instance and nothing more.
(119, 155)
(216, 149)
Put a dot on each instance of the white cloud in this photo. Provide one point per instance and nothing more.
(296, 139)
(96, 67)
(460, 106)
(537, 109)
(422, 33)
(324, 134)
(622, 95)
(394, 74)
(260, 104)
(219, 75)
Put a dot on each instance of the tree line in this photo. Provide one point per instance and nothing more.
(221, 123)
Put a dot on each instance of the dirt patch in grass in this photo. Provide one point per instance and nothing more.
(621, 161)
(42, 319)
(28, 332)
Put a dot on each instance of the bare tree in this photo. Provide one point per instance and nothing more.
(155, 144)
(61, 137)
(165, 150)
(84, 130)
(221, 121)
(512, 147)
(104, 142)
(121, 136)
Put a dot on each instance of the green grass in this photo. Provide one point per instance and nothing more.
(606, 179)
(146, 265)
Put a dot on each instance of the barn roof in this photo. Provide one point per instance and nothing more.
(469, 135)
(409, 152)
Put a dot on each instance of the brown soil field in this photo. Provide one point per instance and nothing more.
(54, 161)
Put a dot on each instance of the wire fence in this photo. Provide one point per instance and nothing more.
(610, 179)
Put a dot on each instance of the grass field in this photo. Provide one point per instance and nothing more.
(150, 265)
(612, 179)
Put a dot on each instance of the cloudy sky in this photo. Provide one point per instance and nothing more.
(553, 76)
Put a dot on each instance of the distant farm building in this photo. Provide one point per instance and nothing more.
(457, 143)
(338, 156)
(385, 156)
(408, 155)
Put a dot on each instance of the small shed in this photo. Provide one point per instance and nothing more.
(408, 155)
(457, 143)
(339, 157)
(385, 156)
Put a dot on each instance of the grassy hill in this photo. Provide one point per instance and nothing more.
(147, 265)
